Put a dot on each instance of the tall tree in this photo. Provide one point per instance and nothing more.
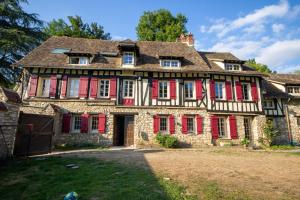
(75, 28)
(258, 66)
(20, 32)
(160, 25)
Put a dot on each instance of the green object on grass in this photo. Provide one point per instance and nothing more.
(71, 196)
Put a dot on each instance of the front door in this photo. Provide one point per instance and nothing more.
(247, 128)
(129, 130)
(123, 130)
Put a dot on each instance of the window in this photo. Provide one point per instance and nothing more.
(293, 90)
(298, 121)
(190, 124)
(247, 127)
(163, 124)
(94, 124)
(232, 67)
(219, 87)
(245, 91)
(79, 60)
(76, 123)
(170, 63)
(73, 87)
(222, 126)
(45, 87)
(60, 50)
(163, 89)
(128, 88)
(104, 88)
(269, 104)
(128, 58)
(189, 90)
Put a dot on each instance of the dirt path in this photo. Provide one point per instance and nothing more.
(261, 175)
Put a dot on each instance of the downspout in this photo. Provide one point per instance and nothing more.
(288, 121)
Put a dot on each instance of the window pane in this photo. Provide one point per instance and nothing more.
(190, 124)
(128, 88)
(163, 89)
(188, 88)
(219, 90)
(221, 126)
(74, 60)
(104, 87)
(163, 124)
(94, 123)
(74, 87)
(128, 58)
(83, 60)
(46, 87)
(245, 91)
(76, 125)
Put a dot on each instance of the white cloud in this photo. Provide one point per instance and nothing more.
(202, 29)
(277, 28)
(256, 28)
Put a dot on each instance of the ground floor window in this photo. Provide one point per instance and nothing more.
(190, 124)
(247, 127)
(222, 126)
(163, 124)
(76, 123)
(94, 124)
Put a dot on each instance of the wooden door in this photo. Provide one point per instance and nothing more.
(129, 131)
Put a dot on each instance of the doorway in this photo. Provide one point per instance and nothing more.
(248, 128)
(123, 130)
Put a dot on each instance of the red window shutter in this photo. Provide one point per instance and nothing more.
(101, 123)
(233, 128)
(84, 123)
(155, 124)
(63, 92)
(238, 88)
(93, 87)
(113, 88)
(172, 124)
(53, 82)
(33, 86)
(173, 89)
(199, 121)
(228, 90)
(198, 89)
(66, 123)
(154, 89)
(212, 90)
(214, 127)
(83, 87)
(254, 93)
(184, 124)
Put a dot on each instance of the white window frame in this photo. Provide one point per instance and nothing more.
(192, 119)
(99, 88)
(225, 127)
(293, 90)
(232, 67)
(269, 104)
(70, 85)
(91, 118)
(41, 87)
(163, 93)
(167, 124)
(128, 96)
(128, 53)
(193, 90)
(248, 91)
(217, 84)
(74, 118)
(170, 63)
(81, 60)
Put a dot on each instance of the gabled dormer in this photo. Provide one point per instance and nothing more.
(170, 61)
(129, 52)
(78, 58)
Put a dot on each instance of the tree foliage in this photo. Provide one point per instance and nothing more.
(160, 25)
(258, 66)
(20, 32)
(75, 28)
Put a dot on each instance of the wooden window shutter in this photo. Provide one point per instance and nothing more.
(154, 89)
(66, 123)
(214, 127)
(184, 124)
(84, 123)
(212, 90)
(199, 121)
(173, 89)
(233, 128)
(228, 90)
(83, 87)
(172, 124)
(53, 83)
(254, 93)
(64, 84)
(155, 124)
(93, 87)
(198, 84)
(238, 89)
(101, 123)
(33, 86)
(113, 88)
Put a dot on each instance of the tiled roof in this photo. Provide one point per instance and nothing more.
(11, 95)
(285, 78)
(3, 107)
(271, 91)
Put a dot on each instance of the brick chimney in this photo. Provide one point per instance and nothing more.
(187, 39)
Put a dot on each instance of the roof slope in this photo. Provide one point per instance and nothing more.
(11, 96)
(273, 92)
(285, 78)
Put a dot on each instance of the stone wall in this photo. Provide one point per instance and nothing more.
(294, 113)
(281, 126)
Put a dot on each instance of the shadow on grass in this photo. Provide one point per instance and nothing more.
(49, 178)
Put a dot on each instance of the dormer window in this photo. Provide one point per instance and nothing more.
(128, 58)
(79, 60)
(293, 89)
(170, 63)
(232, 67)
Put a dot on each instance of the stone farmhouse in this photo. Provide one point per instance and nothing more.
(125, 92)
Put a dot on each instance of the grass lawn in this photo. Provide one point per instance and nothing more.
(95, 179)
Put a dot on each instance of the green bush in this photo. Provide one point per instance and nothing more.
(245, 142)
(167, 140)
(269, 134)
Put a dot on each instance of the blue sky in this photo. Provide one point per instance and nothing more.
(266, 30)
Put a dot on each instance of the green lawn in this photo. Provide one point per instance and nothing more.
(95, 179)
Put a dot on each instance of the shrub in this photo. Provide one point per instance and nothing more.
(167, 140)
(245, 142)
(269, 134)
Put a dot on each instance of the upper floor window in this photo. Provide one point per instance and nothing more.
(219, 88)
(163, 89)
(189, 89)
(246, 91)
(128, 58)
(293, 89)
(128, 88)
(104, 88)
(269, 104)
(170, 63)
(45, 87)
(73, 87)
(79, 60)
(222, 126)
(232, 67)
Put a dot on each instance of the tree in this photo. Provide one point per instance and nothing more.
(258, 66)
(160, 25)
(75, 28)
(20, 32)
